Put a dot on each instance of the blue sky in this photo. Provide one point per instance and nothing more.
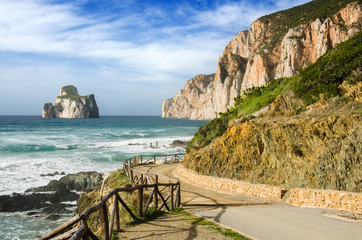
(131, 54)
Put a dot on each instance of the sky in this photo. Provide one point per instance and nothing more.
(131, 54)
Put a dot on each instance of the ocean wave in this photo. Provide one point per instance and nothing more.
(29, 148)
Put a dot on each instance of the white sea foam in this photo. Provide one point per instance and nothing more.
(38, 147)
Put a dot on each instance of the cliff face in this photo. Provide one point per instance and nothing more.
(70, 105)
(181, 105)
(318, 149)
(257, 56)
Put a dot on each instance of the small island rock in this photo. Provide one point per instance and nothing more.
(69, 104)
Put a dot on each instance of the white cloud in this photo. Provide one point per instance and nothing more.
(54, 44)
(238, 15)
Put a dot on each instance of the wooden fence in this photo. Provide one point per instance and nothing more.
(166, 193)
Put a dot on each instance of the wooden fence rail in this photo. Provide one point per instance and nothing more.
(77, 227)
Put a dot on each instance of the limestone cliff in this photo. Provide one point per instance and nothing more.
(182, 106)
(70, 105)
(277, 45)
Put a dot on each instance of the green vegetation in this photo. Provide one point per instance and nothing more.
(343, 63)
(70, 90)
(71, 93)
(323, 77)
(207, 133)
(280, 22)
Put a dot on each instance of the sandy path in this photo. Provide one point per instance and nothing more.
(179, 226)
(196, 198)
(170, 226)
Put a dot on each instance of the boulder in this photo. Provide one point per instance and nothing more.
(82, 181)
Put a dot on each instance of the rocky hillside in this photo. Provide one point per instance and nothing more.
(275, 46)
(70, 105)
(307, 134)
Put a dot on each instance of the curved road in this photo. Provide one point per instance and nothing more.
(258, 219)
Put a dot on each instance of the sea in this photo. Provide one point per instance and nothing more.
(31, 147)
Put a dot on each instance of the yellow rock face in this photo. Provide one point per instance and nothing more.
(313, 152)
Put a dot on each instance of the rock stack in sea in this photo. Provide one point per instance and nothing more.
(69, 104)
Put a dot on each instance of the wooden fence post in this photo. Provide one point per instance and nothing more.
(155, 197)
(140, 198)
(171, 196)
(131, 174)
(103, 217)
(113, 214)
(117, 213)
(178, 195)
(84, 223)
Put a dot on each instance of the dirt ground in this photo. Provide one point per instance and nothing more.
(171, 226)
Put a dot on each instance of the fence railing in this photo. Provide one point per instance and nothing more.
(166, 193)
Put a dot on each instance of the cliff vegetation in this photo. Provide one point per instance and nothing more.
(301, 131)
(323, 78)
(70, 92)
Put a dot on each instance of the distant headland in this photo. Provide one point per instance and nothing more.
(69, 104)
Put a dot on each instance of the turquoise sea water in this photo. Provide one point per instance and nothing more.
(31, 146)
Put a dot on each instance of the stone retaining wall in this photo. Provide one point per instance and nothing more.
(338, 200)
(228, 185)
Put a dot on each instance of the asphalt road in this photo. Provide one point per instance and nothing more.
(284, 222)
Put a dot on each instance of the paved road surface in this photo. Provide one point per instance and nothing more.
(284, 222)
(259, 219)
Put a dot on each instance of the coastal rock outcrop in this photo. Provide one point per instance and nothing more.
(50, 198)
(70, 105)
(275, 46)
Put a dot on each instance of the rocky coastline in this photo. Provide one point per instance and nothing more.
(55, 199)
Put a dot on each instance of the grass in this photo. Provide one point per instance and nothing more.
(72, 93)
(117, 179)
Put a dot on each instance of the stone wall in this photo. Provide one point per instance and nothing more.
(338, 200)
(228, 185)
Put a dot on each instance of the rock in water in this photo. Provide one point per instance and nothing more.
(69, 104)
